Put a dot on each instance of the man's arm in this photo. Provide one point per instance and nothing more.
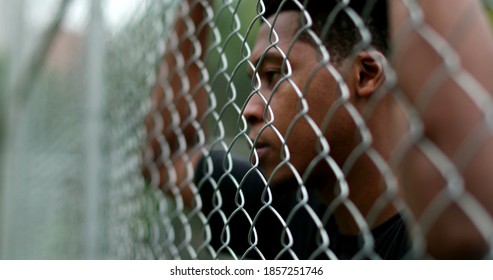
(444, 67)
(174, 124)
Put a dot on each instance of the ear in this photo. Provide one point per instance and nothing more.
(369, 72)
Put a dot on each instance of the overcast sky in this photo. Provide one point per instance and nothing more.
(116, 12)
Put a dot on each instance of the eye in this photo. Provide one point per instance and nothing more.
(272, 76)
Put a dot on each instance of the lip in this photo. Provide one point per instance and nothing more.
(262, 149)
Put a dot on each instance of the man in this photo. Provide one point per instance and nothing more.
(316, 108)
(322, 119)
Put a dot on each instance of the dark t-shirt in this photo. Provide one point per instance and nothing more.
(274, 224)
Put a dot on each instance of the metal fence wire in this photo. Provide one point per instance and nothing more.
(269, 129)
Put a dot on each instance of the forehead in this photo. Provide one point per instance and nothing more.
(283, 29)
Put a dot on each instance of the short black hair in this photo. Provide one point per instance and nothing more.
(342, 35)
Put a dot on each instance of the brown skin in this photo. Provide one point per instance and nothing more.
(159, 120)
(450, 121)
(363, 76)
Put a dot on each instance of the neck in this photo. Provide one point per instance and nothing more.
(365, 190)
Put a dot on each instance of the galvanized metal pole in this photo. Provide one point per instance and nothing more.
(11, 111)
(95, 128)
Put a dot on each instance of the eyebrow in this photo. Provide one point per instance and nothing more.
(271, 55)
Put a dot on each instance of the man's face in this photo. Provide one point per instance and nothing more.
(292, 119)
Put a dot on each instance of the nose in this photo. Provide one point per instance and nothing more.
(254, 110)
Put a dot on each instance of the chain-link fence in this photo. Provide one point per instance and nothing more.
(234, 129)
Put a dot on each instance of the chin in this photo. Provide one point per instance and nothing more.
(281, 179)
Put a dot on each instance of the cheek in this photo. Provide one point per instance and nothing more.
(302, 142)
(330, 118)
(284, 106)
(342, 135)
(301, 137)
(301, 123)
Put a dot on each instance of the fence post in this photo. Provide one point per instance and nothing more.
(95, 127)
